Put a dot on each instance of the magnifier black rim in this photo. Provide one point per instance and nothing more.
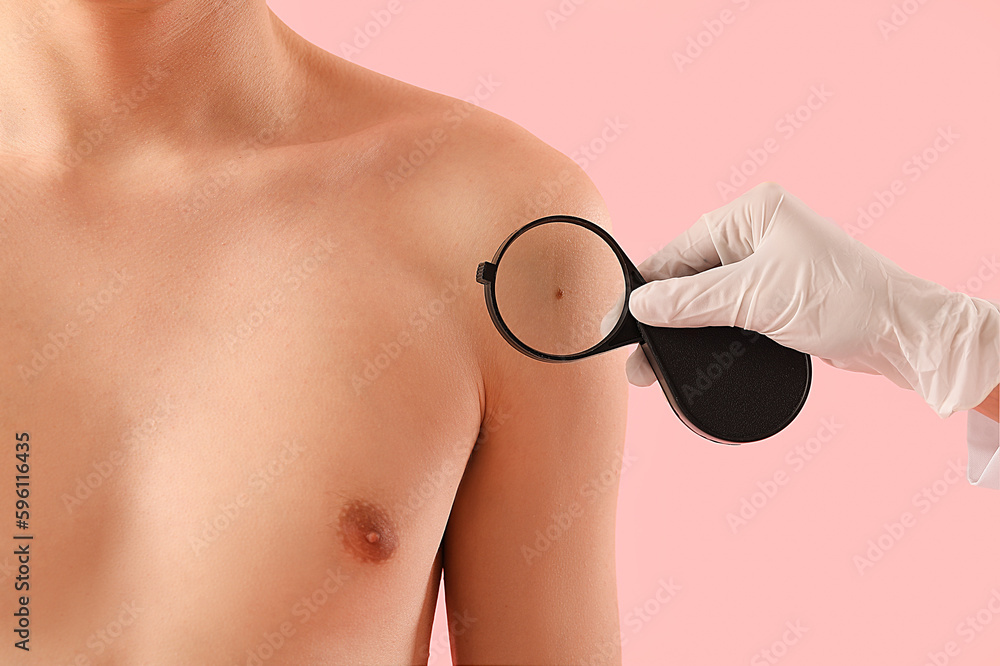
(620, 335)
(494, 310)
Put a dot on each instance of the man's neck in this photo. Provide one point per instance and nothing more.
(101, 76)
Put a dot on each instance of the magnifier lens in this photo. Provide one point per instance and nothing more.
(555, 284)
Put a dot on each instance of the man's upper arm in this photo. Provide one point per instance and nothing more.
(529, 549)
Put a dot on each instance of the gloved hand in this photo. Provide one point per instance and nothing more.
(768, 263)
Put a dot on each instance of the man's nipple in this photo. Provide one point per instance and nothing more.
(367, 532)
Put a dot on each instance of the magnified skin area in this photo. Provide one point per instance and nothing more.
(366, 532)
(550, 298)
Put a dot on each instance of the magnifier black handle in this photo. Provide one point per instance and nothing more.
(728, 384)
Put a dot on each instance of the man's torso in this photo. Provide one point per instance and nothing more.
(250, 395)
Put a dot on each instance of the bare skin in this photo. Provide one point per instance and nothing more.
(252, 367)
(991, 406)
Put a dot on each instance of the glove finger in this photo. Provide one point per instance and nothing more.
(715, 297)
(638, 370)
(693, 251)
(855, 366)
(724, 236)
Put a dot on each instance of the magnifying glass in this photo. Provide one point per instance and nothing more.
(727, 384)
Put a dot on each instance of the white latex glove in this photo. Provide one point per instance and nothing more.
(768, 263)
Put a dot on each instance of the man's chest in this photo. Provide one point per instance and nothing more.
(235, 385)
(288, 304)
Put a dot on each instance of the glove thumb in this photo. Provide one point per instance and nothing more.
(711, 298)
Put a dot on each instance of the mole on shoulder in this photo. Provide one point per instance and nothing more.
(367, 532)
(559, 293)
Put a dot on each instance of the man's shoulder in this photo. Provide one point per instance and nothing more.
(497, 166)
(454, 157)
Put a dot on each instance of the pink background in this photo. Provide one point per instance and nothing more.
(794, 561)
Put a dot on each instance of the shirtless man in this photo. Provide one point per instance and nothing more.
(245, 360)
